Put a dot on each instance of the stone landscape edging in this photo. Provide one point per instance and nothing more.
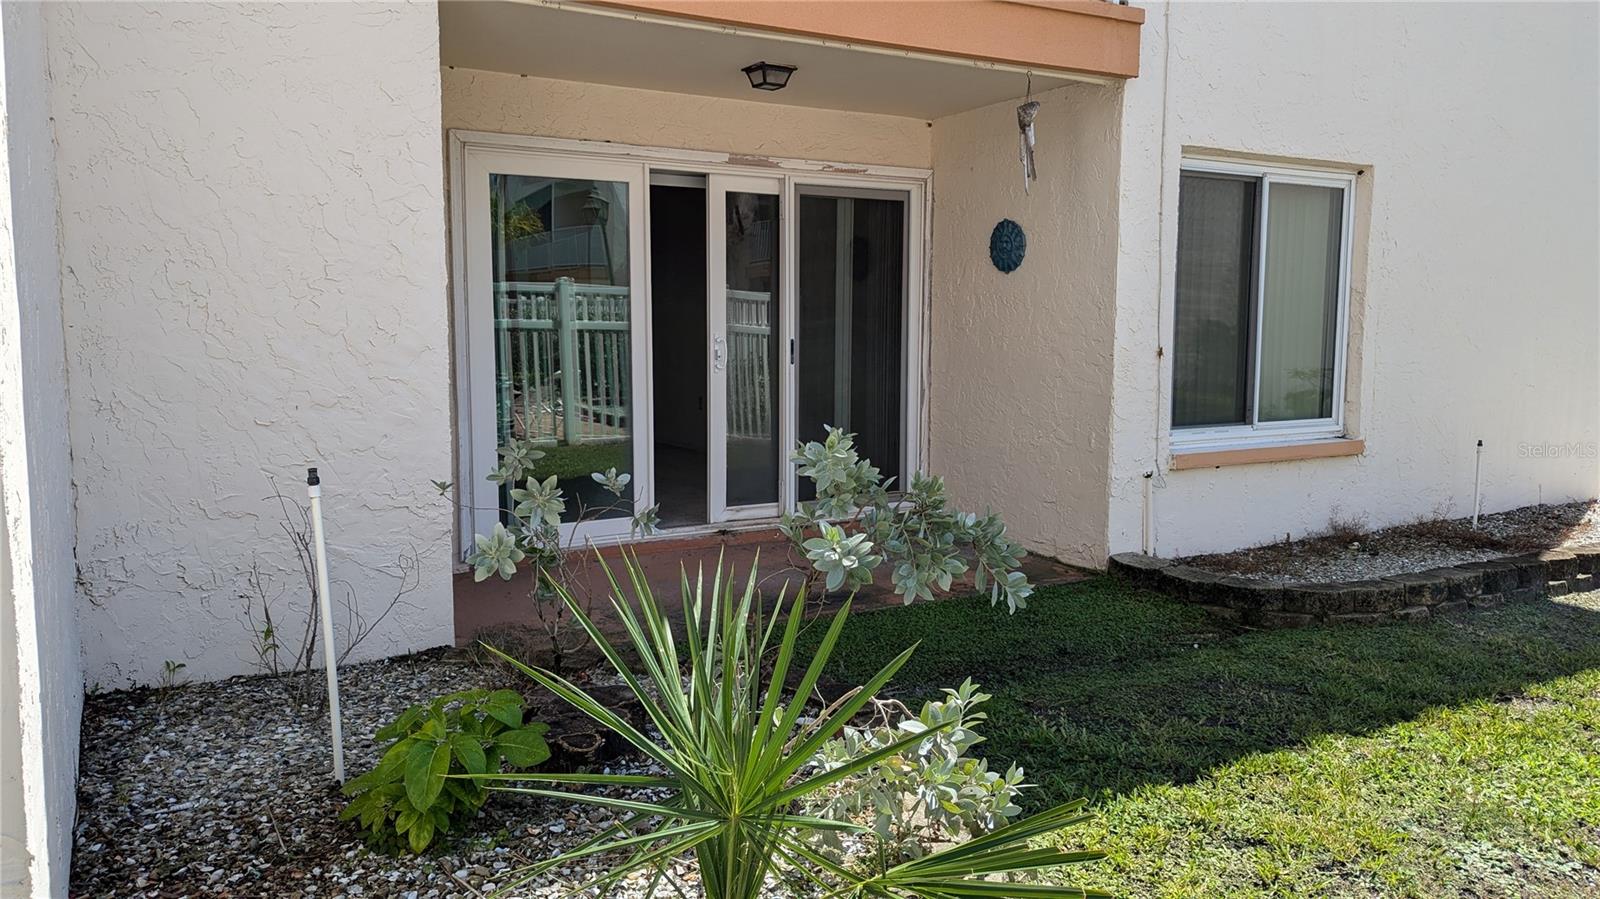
(1406, 597)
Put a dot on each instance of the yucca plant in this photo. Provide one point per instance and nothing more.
(735, 753)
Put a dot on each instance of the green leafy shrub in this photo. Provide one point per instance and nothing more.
(855, 524)
(933, 792)
(736, 757)
(416, 790)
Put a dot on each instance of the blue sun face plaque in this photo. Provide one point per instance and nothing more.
(1007, 245)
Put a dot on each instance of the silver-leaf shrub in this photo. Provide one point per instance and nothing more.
(534, 532)
(856, 524)
(930, 793)
(529, 537)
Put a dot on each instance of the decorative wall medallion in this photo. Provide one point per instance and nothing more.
(1007, 245)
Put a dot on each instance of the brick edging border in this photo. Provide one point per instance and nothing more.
(1406, 597)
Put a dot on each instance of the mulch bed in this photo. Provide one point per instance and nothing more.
(1347, 551)
(225, 789)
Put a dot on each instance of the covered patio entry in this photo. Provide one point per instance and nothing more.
(661, 270)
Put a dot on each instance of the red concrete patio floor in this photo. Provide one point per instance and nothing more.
(497, 603)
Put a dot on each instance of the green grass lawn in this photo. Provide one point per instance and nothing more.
(1454, 757)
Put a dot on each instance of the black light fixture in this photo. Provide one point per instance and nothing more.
(768, 76)
(595, 209)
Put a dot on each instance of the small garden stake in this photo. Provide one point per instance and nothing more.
(1477, 486)
(330, 658)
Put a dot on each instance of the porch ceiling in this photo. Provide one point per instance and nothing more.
(582, 44)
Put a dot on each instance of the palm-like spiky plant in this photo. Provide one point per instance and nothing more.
(735, 755)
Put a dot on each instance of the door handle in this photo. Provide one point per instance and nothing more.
(719, 353)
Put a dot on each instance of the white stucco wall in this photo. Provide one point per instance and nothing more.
(1021, 363)
(41, 676)
(545, 107)
(1479, 303)
(254, 257)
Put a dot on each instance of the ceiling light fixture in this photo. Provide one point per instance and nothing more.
(768, 76)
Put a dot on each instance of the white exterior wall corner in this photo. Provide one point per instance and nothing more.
(253, 252)
(41, 676)
(1021, 363)
(1475, 296)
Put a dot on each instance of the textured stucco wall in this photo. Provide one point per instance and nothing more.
(1021, 363)
(253, 251)
(41, 675)
(1478, 294)
(514, 104)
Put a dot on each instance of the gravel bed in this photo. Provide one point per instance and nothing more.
(1346, 551)
(224, 789)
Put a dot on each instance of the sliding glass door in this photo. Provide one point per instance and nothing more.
(808, 329)
(555, 291)
(808, 320)
(683, 321)
(746, 442)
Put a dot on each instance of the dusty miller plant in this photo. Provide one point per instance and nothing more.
(929, 793)
(856, 525)
(533, 540)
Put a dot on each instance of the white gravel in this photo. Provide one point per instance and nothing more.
(1355, 564)
(1320, 558)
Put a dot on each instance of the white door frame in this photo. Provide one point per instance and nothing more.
(474, 355)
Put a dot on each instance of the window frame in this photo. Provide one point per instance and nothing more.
(1254, 432)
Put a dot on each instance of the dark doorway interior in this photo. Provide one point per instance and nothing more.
(678, 320)
(852, 301)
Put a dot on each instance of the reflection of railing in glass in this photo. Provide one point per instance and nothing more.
(563, 367)
(761, 239)
(571, 250)
(750, 364)
(751, 383)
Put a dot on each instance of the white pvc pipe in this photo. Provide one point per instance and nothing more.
(325, 604)
(1477, 485)
(1144, 518)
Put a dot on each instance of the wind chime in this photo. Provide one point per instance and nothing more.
(1025, 136)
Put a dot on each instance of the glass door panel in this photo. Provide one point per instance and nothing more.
(562, 331)
(851, 331)
(554, 293)
(744, 462)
